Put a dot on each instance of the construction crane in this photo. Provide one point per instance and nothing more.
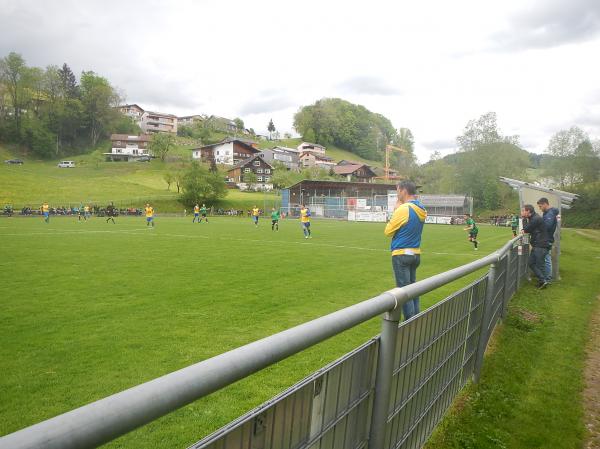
(388, 149)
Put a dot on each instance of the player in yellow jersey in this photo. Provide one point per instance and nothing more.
(255, 214)
(149, 215)
(196, 213)
(305, 221)
(86, 212)
(46, 212)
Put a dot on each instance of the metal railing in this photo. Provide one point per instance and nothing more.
(389, 393)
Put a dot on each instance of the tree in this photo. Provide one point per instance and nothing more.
(287, 135)
(561, 164)
(239, 123)
(68, 82)
(250, 179)
(586, 162)
(352, 127)
(169, 179)
(199, 185)
(12, 75)
(483, 131)
(99, 100)
(271, 129)
(161, 144)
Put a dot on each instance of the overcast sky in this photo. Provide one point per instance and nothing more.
(430, 66)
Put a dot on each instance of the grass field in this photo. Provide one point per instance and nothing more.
(530, 395)
(92, 308)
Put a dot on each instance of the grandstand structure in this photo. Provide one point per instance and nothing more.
(358, 201)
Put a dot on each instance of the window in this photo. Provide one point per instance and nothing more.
(256, 163)
(267, 170)
(259, 178)
(259, 170)
(267, 179)
(246, 170)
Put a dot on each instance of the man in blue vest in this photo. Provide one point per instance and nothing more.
(550, 217)
(405, 228)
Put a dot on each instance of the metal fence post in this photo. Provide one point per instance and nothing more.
(485, 322)
(507, 280)
(383, 380)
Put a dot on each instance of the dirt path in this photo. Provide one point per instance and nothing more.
(591, 394)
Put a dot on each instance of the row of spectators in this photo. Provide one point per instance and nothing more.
(63, 210)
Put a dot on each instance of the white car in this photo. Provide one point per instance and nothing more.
(66, 164)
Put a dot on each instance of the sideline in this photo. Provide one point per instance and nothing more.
(591, 392)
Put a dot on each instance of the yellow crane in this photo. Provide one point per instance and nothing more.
(388, 149)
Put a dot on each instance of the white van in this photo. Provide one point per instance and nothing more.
(66, 164)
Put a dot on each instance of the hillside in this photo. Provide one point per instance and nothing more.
(94, 180)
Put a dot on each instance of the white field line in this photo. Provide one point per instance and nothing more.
(284, 242)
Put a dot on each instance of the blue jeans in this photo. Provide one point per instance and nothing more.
(537, 260)
(405, 272)
(548, 264)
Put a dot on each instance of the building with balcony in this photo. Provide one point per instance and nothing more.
(289, 157)
(128, 148)
(227, 152)
(312, 147)
(157, 122)
(262, 170)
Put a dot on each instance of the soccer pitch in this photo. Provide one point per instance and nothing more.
(92, 308)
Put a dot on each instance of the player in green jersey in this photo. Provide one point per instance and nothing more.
(473, 230)
(275, 216)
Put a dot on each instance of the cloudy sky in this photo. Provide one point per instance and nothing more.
(427, 65)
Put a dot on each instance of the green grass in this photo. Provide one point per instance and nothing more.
(530, 391)
(92, 308)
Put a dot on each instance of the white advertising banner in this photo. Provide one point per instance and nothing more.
(380, 217)
(361, 203)
(432, 219)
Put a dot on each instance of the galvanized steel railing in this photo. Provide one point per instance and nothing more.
(389, 393)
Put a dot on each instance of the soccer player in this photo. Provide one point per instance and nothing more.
(514, 224)
(86, 212)
(203, 213)
(255, 213)
(275, 216)
(473, 230)
(405, 228)
(305, 221)
(196, 213)
(110, 213)
(46, 212)
(149, 215)
(80, 214)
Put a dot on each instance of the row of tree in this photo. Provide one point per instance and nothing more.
(52, 112)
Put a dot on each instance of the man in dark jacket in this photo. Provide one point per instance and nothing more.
(538, 239)
(550, 217)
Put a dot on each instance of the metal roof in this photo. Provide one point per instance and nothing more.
(566, 198)
(443, 200)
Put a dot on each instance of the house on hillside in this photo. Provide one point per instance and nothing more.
(132, 110)
(255, 164)
(189, 120)
(157, 122)
(309, 159)
(286, 156)
(227, 152)
(313, 147)
(128, 148)
(355, 172)
(222, 124)
(148, 121)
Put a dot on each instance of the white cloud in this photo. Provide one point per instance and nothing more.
(429, 66)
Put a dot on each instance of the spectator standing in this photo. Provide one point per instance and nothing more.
(550, 217)
(538, 239)
(405, 228)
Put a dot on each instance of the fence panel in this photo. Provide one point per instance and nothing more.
(434, 359)
(330, 409)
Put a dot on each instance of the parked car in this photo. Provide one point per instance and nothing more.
(66, 164)
(144, 159)
(14, 162)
